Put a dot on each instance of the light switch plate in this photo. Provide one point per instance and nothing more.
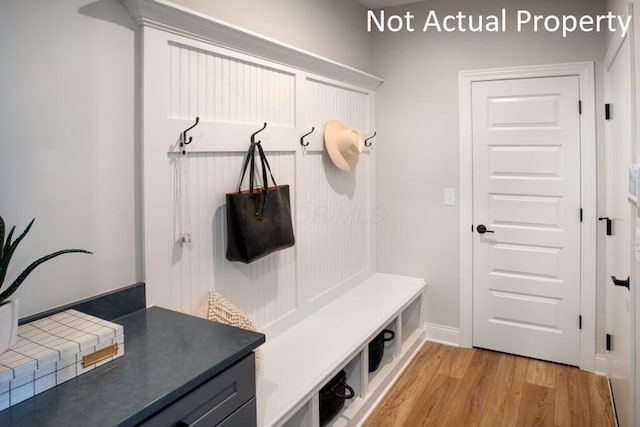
(633, 184)
(449, 196)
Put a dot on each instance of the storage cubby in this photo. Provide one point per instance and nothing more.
(391, 349)
(303, 417)
(356, 380)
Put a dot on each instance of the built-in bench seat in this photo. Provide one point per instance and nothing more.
(299, 361)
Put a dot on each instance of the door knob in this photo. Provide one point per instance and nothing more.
(617, 282)
(483, 229)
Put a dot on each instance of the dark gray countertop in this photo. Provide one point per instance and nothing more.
(166, 355)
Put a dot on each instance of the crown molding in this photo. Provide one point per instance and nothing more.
(168, 16)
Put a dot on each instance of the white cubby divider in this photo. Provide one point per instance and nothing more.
(304, 416)
(411, 321)
(299, 361)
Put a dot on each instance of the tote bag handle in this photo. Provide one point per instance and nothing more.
(249, 161)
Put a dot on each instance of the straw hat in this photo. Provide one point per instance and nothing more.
(344, 144)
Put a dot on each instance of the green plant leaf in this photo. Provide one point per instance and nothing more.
(2, 229)
(6, 257)
(7, 244)
(15, 244)
(16, 283)
(10, 248)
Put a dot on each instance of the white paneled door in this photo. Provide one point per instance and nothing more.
(526, 213)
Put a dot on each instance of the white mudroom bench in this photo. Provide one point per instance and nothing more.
(296, 363)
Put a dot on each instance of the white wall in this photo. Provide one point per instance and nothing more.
(68, 156)
(620, 7)
(417, 124)
(329, 28)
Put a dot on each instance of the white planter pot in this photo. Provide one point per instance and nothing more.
(8, 324)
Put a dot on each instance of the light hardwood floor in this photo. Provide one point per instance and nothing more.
(450, 386)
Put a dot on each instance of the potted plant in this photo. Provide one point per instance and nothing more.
(9, 308)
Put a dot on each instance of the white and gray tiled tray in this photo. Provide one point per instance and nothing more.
(50, 351)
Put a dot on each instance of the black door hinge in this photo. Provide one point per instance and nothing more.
(609, 344)
(580, 106)
(580, 322)
(607, 111)
(580, 214)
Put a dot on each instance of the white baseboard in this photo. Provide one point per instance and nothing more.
(601, 365)
(442, 334)
(451, 336)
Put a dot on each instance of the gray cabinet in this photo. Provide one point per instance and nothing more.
(243, 417)
(226, 400)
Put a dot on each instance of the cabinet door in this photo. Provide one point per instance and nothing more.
(213, 401)
(243, 417)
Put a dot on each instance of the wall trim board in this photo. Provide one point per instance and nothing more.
(451, 336)
(442, 334)
(170, 17)
(602, 365)
(613, 402)
(585, 72)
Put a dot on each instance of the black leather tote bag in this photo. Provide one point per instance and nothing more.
(376, 348)
(258, 219)
(333, 395)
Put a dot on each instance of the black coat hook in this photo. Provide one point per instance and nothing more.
(253, 136)
(306, 134)
(366, 141)
(183, 140)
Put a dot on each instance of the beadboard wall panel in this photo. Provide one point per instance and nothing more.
(220, 88)
(233, 94)
(265, 289)
(327, 100)
(334, 224)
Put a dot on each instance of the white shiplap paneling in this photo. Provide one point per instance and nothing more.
(223, 89)
(329, 101)
(233, 94)
(265, 289)
(334, 222)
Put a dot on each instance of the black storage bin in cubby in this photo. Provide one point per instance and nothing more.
(333, 395)
(376, 348)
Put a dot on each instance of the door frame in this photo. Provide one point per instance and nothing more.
(586, 75)
(613, 49)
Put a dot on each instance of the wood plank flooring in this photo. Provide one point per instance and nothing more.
(450, 386)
